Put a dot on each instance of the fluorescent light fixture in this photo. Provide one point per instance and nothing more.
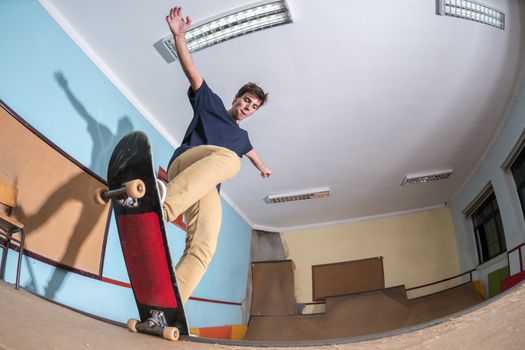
(471, 10)
(427, 177)
(298, 196)
(241, 21)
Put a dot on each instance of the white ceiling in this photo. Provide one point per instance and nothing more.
(362, 93)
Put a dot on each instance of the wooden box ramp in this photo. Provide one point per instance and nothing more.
(396, 294)
(367, 313)
(273, 288)
(347, 277)
(364, 313)
(444, 303)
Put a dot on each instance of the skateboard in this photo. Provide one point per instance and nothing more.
(136, 197)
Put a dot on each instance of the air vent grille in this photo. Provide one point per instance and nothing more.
(297, 196)
(427, 177)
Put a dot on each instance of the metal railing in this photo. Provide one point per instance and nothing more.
(518, 248)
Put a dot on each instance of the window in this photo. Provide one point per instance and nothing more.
(518, 171)
(488, 228)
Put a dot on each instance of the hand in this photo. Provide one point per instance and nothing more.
(61, 80)
(176, 22)
(266, 173)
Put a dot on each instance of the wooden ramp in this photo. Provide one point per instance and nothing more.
(29, 322)
(364, 313)
(444, 303)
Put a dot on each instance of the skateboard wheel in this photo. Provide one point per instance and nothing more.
(135, 189)
(171, 333)
(132, 325)
(162, 190)
(98, 195)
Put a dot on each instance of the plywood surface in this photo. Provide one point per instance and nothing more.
(273, 288)
(55, 199)
(347, 277)
(363, 314)
(52, 327)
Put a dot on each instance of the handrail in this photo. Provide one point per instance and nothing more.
(518, 248)
(443, 280)
(413, 288)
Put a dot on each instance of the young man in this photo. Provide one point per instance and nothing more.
(209, 155)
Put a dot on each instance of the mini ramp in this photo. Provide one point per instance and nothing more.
(30, 322)
(364, 313)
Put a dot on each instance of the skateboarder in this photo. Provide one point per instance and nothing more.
(209, 155)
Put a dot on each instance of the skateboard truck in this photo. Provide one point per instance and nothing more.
(156, 324)
(129, 202)
(127, 195)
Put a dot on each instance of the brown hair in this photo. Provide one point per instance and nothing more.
(254, 89)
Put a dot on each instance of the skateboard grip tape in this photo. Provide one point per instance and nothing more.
(146, 260)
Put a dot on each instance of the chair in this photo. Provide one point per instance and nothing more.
(9, 226)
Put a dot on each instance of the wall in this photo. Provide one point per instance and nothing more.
(417, 248)
(54, 86)
(490, 170)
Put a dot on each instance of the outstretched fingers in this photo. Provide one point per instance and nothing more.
(176, 13)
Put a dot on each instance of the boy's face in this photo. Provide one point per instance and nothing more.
(244, 106)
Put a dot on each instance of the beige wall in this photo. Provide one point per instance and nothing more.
(417, 248)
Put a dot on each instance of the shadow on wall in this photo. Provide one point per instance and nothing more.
(103, 143)
(103, 139)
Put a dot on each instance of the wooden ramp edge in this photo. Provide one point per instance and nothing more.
(30, 322)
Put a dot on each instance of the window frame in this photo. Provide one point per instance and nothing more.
(488, 228)
(520, 182)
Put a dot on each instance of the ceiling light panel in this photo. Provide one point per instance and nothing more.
(471, 10)
(255, 17)
(297, 196)
(427, 177)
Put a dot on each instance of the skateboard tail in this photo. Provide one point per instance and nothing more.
(128, 157)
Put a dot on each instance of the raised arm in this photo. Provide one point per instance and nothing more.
(258, 163)
(178, 26)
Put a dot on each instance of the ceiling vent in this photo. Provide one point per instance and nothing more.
(427, 177)
(297, 196)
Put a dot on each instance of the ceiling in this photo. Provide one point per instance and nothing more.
(362, 93)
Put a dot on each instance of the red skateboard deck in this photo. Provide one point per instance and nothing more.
(137, 207)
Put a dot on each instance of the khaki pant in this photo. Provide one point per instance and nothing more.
(193, 177)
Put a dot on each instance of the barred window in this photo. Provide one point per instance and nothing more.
(488, 228)
(518, 171)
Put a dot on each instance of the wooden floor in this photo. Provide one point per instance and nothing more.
(29, 322)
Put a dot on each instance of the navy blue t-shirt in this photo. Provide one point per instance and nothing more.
(212, 125)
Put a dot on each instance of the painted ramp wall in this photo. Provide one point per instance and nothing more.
(50, 83)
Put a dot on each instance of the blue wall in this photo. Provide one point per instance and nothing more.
(52, 84)
(504, 186)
